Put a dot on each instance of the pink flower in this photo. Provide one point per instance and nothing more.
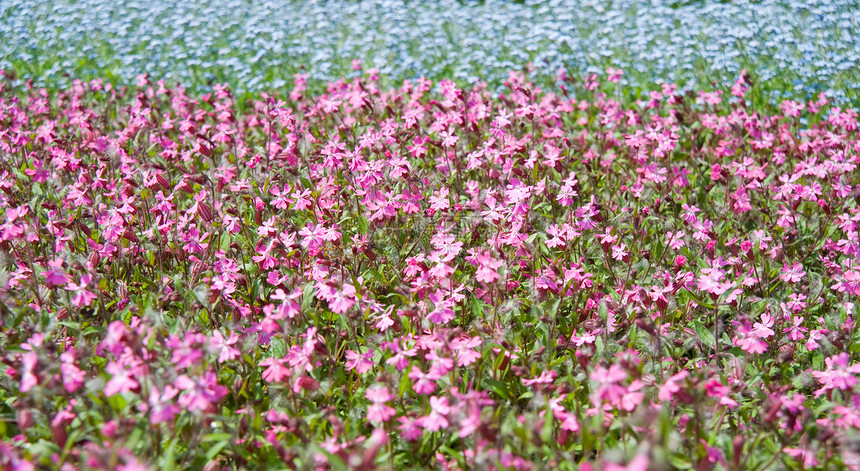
(568, 419)
(443, 311)
(838, 374)
(288, 308)
(558, 236)
(487, 271)
(546, 377)
(425, 383)
(463, 346)
(400, 360)
(436, 419)
(714, 388)
(792, 274)
(73, 377)
(751, 340)
(409, 429)
(812, 341)
(675, 240)
(620, 253)
(362, 363)
(639, 463)
(55, 276)
(803, 454)
(82, 296)
(633, 396)
(161, 406)
(796, 330)
(670, 387)
(378, 412)
(714, 455)
(28, 376)
(343, 300)
(614, 374)
(200, 393)
(276, 369)
(224, 347)
(122, 380)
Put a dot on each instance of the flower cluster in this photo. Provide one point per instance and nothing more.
(427, 276)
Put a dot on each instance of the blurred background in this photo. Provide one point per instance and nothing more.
(792, 48)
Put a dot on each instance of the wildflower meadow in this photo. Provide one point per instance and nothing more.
(579, 271)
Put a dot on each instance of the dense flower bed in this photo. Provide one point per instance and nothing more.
(796, 48)
(427, 277)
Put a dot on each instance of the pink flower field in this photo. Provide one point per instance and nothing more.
(427, 277)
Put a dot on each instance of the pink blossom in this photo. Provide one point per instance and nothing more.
(360, 362)
(792, 274)
(200, 393)
(424, 382)
(487, 269)
(409, 429)
(82, 296)
(546, 377)
(670, 387)
(838, 375)
(378, 412)
(639, 463)
(276, 369)
(436, 419)
(123, 379)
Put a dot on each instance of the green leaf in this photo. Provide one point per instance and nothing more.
(214, 437)
(496, 387)
(404, 385)
(168, 460)
(680, 461)
(278, 347)
(705, 335)
(307, 296)
(212, 452)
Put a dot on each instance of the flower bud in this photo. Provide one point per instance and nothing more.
(204, 211)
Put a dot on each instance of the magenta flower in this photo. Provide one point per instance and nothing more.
(838, 375)
(639, 463)
(378, 412)
(160, 405)
(276, 369)
(436, 419)
(73, 377)
(82, 296)
(487, 270)
(793, 273)
(425, 383)
(546, 377)
(55, 276)
(671, 387)
(122, 381)
(360, 362)
(409, 429)
(200, 393)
